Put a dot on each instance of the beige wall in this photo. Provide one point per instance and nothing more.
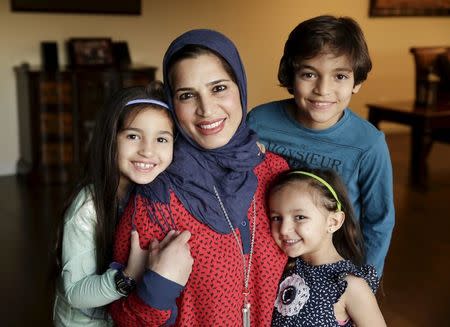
(259, 29)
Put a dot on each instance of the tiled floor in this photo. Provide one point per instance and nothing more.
(416, 277)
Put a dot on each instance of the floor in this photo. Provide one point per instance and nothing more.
(416, 285)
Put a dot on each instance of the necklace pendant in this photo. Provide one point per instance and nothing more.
(246, 293)
(246, 314)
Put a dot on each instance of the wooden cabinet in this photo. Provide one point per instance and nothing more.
(57, 112)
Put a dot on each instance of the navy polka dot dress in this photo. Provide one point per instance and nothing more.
(306, 294)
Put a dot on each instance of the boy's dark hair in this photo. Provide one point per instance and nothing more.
(348, 239)
(323, 34)
(101, 172)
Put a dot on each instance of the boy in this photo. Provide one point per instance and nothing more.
(325, 61)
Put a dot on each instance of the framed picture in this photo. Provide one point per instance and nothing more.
(118, 7)
(409, 8)
(90, 52)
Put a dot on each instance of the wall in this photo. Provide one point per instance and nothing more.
(259, 29)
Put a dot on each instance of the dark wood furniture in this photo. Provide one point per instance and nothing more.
(427, 124)
(57, 112)
(429, 114)
(432, 75)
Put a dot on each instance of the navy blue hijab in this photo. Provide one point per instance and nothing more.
(194, 170)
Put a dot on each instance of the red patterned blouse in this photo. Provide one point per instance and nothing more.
(213, 294)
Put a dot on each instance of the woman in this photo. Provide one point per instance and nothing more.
(223, 269)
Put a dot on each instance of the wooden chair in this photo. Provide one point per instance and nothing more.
(432, 75)
(432, 67)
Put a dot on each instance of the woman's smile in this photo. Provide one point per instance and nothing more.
(211, 127)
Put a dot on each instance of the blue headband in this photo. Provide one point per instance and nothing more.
(149, 101)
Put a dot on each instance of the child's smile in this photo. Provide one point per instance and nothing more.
(143, 166)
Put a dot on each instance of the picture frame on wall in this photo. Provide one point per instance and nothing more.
(114, 7)
(90, 52)
(385, 8)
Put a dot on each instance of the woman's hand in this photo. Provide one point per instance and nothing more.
(171, 258)
(137, 258)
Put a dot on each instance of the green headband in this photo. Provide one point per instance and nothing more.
(324, 182)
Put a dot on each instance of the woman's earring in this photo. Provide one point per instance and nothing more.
(330, 230)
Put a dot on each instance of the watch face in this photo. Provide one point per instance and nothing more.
(124, 285)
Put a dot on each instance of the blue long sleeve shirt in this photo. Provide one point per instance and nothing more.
(355, 149)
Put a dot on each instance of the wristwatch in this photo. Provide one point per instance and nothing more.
(124, 284)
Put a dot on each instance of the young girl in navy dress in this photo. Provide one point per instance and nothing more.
(312, 221)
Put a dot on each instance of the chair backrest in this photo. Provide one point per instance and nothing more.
(426, 59)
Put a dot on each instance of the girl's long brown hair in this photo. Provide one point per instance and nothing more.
(101, 173)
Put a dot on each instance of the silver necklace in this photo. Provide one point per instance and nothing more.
(247, 267)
